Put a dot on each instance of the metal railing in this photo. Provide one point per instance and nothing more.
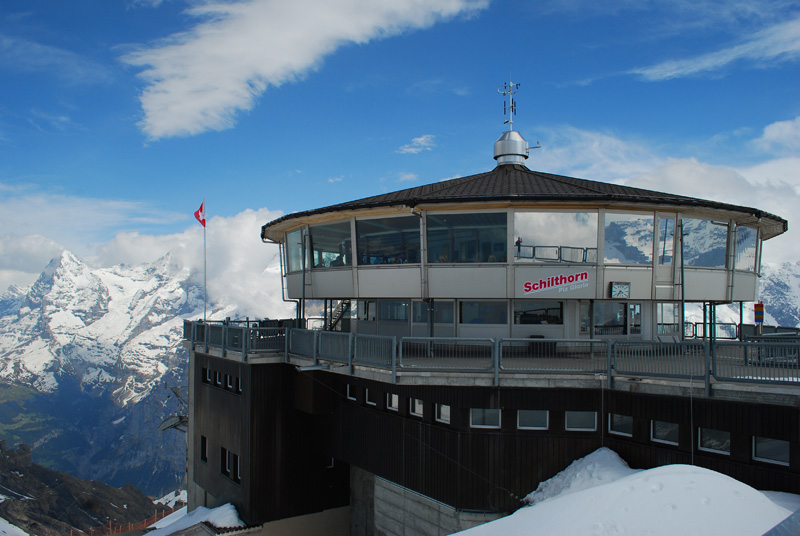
(766, 361)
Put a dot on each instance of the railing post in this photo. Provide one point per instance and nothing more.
(351, 353)
(496, 360)
(246, 334)
(287, 333)
(205, 335)
(394, 358)
(708, 359)
(316, 347)
(611, 353)
(224, 337)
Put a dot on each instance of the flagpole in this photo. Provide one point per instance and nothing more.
(205, 267)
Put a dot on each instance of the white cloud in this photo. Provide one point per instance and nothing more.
(29, 56)
(591, 155)
(418, 144)
(241, 268)
(781, 138)
(199, 79)
(406, 176)
(778, 43)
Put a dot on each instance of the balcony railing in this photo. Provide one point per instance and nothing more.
(766, 361)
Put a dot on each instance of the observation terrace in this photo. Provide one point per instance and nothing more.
(765, 369)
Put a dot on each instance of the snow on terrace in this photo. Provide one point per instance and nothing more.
(600, 495)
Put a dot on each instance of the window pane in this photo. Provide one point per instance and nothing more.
(771, 450)
(628, 239)
(467, 237)
(330, 245)
(535, 419)
(666, 241)
(610, 318)
(746, 249)
(392, 401)
(442, 312)
(580, 420)
(715, 440)
(667, 318)
(484, 312)
(294, 251)
(487, 418)
(388, 240)
(620, 424)
(393, 310)
(704, 243)
(416, 407)
(555, 237)
(443, 412)
(538, 312)
(666, 432)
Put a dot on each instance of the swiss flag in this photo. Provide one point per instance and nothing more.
(200, 214)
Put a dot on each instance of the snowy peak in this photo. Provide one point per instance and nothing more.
(116, 328)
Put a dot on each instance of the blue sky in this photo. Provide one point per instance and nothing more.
(118, 116)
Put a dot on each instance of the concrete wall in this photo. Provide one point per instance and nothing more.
(379, 507)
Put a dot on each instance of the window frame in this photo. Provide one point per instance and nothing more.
(546, 419)
(486, 426)
(704, 448)
(438, 413)
(350, 393)
(573, 429)
(412, 407)
(771, 460)
(392, 402)
(619, 432)
(663, 441)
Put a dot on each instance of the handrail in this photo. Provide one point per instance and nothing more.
(771, 361)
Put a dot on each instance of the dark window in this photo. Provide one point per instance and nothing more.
(771, 450)
(532, 419)
(238, 385)
(203, 449)
(714, 440)
(388, 240)
(467, 237)
(620, 424)
(538, 312)
(205, 375)
(236, 474)
(330, 245)
(224, 462)
(579, 421)
(664, 432)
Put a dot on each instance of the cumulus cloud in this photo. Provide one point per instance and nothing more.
(417, 145)
(781, 138)
(199, 79)
(778, 43)
(242, 269)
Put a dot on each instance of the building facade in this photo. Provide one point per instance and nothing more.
(523, 266)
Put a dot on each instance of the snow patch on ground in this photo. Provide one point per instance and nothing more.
(7, 529)
(600, 495)
(223, 516)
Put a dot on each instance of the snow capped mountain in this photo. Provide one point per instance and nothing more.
(117, 326)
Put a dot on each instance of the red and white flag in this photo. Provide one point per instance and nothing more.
(200, 214)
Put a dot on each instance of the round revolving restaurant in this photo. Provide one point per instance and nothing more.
(518, 253)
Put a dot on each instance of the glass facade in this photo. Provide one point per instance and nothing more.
(331, 245)
(483, 312)
(628, 238)
(617, 318)
(472, 238)
(667, 318)
(555, 237)
(388, 240)
(294, 250)
(666, 241)
(705, 243)
(538, 312)
(443, 312)
(746, 249)
(393, 310)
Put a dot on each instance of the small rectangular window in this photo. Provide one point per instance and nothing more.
(203, 449)
(533, 419)
(370, 398)
(351, 392)
(229, 381)
(771, 450)
(205, 376)
(711, 440)
(238, 385)
(484, 418)
(415, 407)
(392, 401)
(235, 472)
(620, 424)
(664, 432)
(224, 464)
(218, 378)
(443, 413)
(580, 421)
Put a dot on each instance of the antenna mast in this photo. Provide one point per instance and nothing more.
(509, 88)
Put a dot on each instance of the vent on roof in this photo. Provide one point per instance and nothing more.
(510, 148)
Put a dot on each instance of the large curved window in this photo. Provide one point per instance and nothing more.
(467, 237)
(628, 239)
(555, 237)
(388, 240)
(704, 243)
(294, 251)
(746, 249)
(330, 245)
